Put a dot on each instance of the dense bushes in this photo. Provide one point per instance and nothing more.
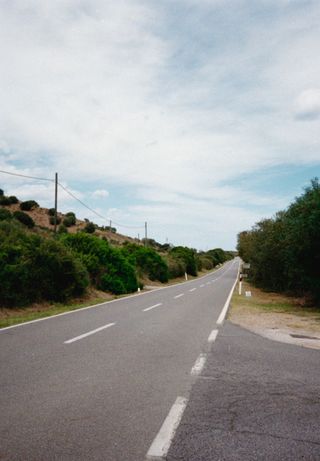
(5, 214)
(24, 218)
(284, 251)
(107, 267)
(28, 205)
(186, 258)
(70, 219)
(34, 268)
(147, 261)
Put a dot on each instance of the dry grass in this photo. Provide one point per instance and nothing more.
(272, 311)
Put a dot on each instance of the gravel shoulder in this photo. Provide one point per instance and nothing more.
(276, 317)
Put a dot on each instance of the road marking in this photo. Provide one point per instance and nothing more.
(152, 307)
(161, 444)
(192, 289)
(198, 366)
(92, 332)
(179, 296)
(213, 336)
(226, 306)
(105, 304)
(201, 286)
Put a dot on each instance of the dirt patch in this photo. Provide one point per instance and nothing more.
(276, 317)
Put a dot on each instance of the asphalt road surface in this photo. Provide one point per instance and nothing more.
(97, 384)
(256, 400)
(113, 382)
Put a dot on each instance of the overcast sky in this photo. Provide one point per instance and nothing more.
(198, 116)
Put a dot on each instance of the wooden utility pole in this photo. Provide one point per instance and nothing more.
(145, 233)
(55, 202)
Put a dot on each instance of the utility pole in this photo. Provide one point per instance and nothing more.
(55, 201)
(110, 225)
(145, 233)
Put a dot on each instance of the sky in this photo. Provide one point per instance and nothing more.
(200, 117)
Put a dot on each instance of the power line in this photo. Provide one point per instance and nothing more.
(73, 196)
(95, 212)
(26, 176)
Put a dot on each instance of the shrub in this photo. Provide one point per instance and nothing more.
(70, 219)
(62, 229)
(177, 267)
(105, 264)
(5, 201)
(34, 268)
(1, 192)
(5, 214)
(24, 218)
(52, 220)
(188, 256)
(147, 261)
(90, 228)
(13, 199)
(51, 211)
(28, 205)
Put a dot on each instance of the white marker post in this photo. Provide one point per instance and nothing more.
(240, 284)
(186, 276)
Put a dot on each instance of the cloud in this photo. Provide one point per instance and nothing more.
(308, 104)
(174, 100)
(100, 193)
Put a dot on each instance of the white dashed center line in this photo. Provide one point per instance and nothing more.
(152, 307)
(179, 296)
(92, 332)
(201, 286)
(192, 289)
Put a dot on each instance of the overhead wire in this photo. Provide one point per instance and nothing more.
(73, 196)
(26, 176)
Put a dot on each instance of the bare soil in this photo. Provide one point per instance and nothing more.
(277, 317)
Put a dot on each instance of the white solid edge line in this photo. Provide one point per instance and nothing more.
(92, 332)
(213, 336)
(152, 307)
(178, 296)
(107, 302)
(198, 366)
(226, 306)
(161, 444)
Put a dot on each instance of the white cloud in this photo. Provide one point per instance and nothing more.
(108, 91)
(308, 104)
(100, 193)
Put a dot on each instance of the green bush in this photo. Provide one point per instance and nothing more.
(62, 229)
(90, 228)
(5, 201)
(176, 267)
(28, 205)
(51, 211)
(13, 199)
(186, 255)
(34, 268)
(147, 261)
(105, 264)
(5, 214)
(52, 220)
(24, 218)
(284, 251)
(1, 192)
(70, 219)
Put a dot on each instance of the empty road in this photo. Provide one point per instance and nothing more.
(98, 383)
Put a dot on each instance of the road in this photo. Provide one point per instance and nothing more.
(256, 399)
(98, 383)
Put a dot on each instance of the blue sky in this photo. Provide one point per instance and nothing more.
(198, 116)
